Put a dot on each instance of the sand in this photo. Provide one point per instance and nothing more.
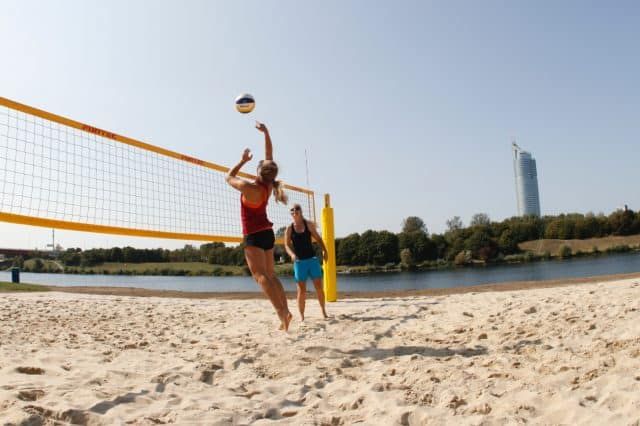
(558, 355)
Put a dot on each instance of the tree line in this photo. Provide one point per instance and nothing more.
(213, 253)
(482, 240)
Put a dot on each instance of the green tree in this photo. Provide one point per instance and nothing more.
(18, 262)
(454, 224)
(414, 224)
(567, 228)
(455, 246)
(367, 247)
(406, 259)
(129, 255)
(386, 248)
(580, 228)
(553, 229)
(91, 258)
(480, 219)
(506, 242)
(480, 244)
(348, 250)
(116, 255)
(440, 246)
(71, 257)
(621, 222)
(422, 248)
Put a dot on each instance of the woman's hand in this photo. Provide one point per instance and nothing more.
(325, 256)
(268, 147)
(247, 155)
(261, 127)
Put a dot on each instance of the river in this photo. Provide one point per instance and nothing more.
(459, 277)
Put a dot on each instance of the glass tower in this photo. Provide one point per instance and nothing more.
(524, 167)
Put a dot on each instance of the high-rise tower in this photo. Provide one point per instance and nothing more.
(527, 196)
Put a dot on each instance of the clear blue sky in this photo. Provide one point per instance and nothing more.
(406, 108)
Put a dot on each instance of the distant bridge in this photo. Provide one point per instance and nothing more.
(21, 252)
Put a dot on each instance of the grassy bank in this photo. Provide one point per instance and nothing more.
(592, 245)
(46, 266)
(166, 269)
(12, 287)
(153, 268)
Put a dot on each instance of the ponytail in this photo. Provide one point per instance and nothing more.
(278, 192)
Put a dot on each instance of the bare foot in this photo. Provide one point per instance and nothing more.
(288, 319)
(285, 325)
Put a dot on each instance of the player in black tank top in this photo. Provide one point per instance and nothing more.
(298, 243)
(302, 246)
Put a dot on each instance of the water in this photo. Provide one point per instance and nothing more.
(462, 277)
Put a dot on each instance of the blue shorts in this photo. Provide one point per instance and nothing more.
(307, 268)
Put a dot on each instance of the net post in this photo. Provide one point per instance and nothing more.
(330, 281)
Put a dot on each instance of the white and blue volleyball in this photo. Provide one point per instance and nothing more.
(245, 103)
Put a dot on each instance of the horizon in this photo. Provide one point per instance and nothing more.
(385, 101)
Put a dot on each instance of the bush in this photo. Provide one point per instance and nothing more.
(406, 259)
(624, 248)
(564, 252)
(514, 258)
(38, 265)
(462, 258)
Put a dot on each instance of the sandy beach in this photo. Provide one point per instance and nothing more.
(558, 355)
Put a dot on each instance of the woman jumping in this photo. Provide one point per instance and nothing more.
(258, 233)
(298, 244)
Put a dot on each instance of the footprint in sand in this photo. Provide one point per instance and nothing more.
(207, 371)
(30, 395)
(30, 370)
(72, 416)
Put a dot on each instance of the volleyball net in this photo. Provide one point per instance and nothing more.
(59, 173)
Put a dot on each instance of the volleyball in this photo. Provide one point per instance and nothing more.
(245, 103)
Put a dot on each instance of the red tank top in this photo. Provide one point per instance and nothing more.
(254, 216)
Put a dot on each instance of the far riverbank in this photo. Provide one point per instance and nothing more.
(202, 269)
(401, 281)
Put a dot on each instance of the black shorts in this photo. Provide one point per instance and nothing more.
(262, 239)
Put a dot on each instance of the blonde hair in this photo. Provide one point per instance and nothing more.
(268, 171)
(278, 192)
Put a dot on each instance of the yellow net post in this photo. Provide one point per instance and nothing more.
(328, 235)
